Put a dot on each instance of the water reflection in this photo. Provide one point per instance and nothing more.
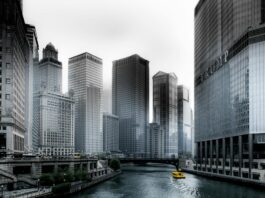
(156, 182)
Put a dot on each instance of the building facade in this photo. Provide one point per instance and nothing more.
(184, 122)
(130, 101)
(33, 60)
(155, 141)
(14, 58)
(50, 70)
(165, 109)
(54, 120)
(86, 81)
(229, 87)
(53, 112)
(110, 133)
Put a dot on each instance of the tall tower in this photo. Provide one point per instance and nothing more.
(53, 112)
(130, 102)
(14, 56)
(229, 87)
(33, 61)
(165, 109)
(50, 70)
(86, 80)
(184, 122)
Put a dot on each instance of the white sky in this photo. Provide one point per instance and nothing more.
(160, 31)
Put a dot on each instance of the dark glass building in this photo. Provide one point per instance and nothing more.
(130, 101)
(165, 102)
(229, 87)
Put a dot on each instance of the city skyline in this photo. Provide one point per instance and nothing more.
(119, 33)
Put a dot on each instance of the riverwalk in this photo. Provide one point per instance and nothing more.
(47, 192)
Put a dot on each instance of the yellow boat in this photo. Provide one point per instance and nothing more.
(178, 175)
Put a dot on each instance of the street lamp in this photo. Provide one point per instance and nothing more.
(2, 190)
(38, 184)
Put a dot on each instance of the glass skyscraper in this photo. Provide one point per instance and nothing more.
(184, 122)
(165, 102)
(130, 102)
(229, 87)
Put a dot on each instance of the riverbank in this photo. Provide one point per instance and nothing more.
(75, 187)
(147, 181)
(227, 178)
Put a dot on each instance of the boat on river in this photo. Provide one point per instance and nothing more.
(178, 174)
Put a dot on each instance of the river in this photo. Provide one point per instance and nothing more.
(156, 182)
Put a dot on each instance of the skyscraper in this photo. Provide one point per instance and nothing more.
(86, 81)
(229, 87)
(110, 132)
(130, 101)
(14, 56)
(53, 129)
(184, 122)
(33, 60)
(155, 141)
(165, 109)
(53, 112)
(50, 70)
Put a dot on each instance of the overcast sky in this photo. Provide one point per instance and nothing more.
(160, 31)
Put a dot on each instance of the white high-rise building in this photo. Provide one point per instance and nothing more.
(86, 80)
(54, 120)
(53, 112)
(155, 141)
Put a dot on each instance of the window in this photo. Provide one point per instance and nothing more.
(7, 96)
(8, 50)
(1, 49)
(4, 128)
(8, 81)
(8, 65)
(0, 64)
(0, 57)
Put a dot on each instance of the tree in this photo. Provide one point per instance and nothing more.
(69, 177)
(46, 180)
(58, 177)
(115, 164)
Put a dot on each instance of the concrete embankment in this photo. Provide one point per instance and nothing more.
(79, 186)
(227, 178)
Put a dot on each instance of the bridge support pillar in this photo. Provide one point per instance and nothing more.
(36, 170)
(56, 167)
(72, 167)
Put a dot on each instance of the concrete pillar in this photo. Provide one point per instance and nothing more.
(224, 159)
(250, 151)
(201, 154)
(240, 153)
(211, 154)
(206, 156)
(88, 166)
(217, 154)
(56, 167)
(36, 170)
(72, 167)
(231, 155)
